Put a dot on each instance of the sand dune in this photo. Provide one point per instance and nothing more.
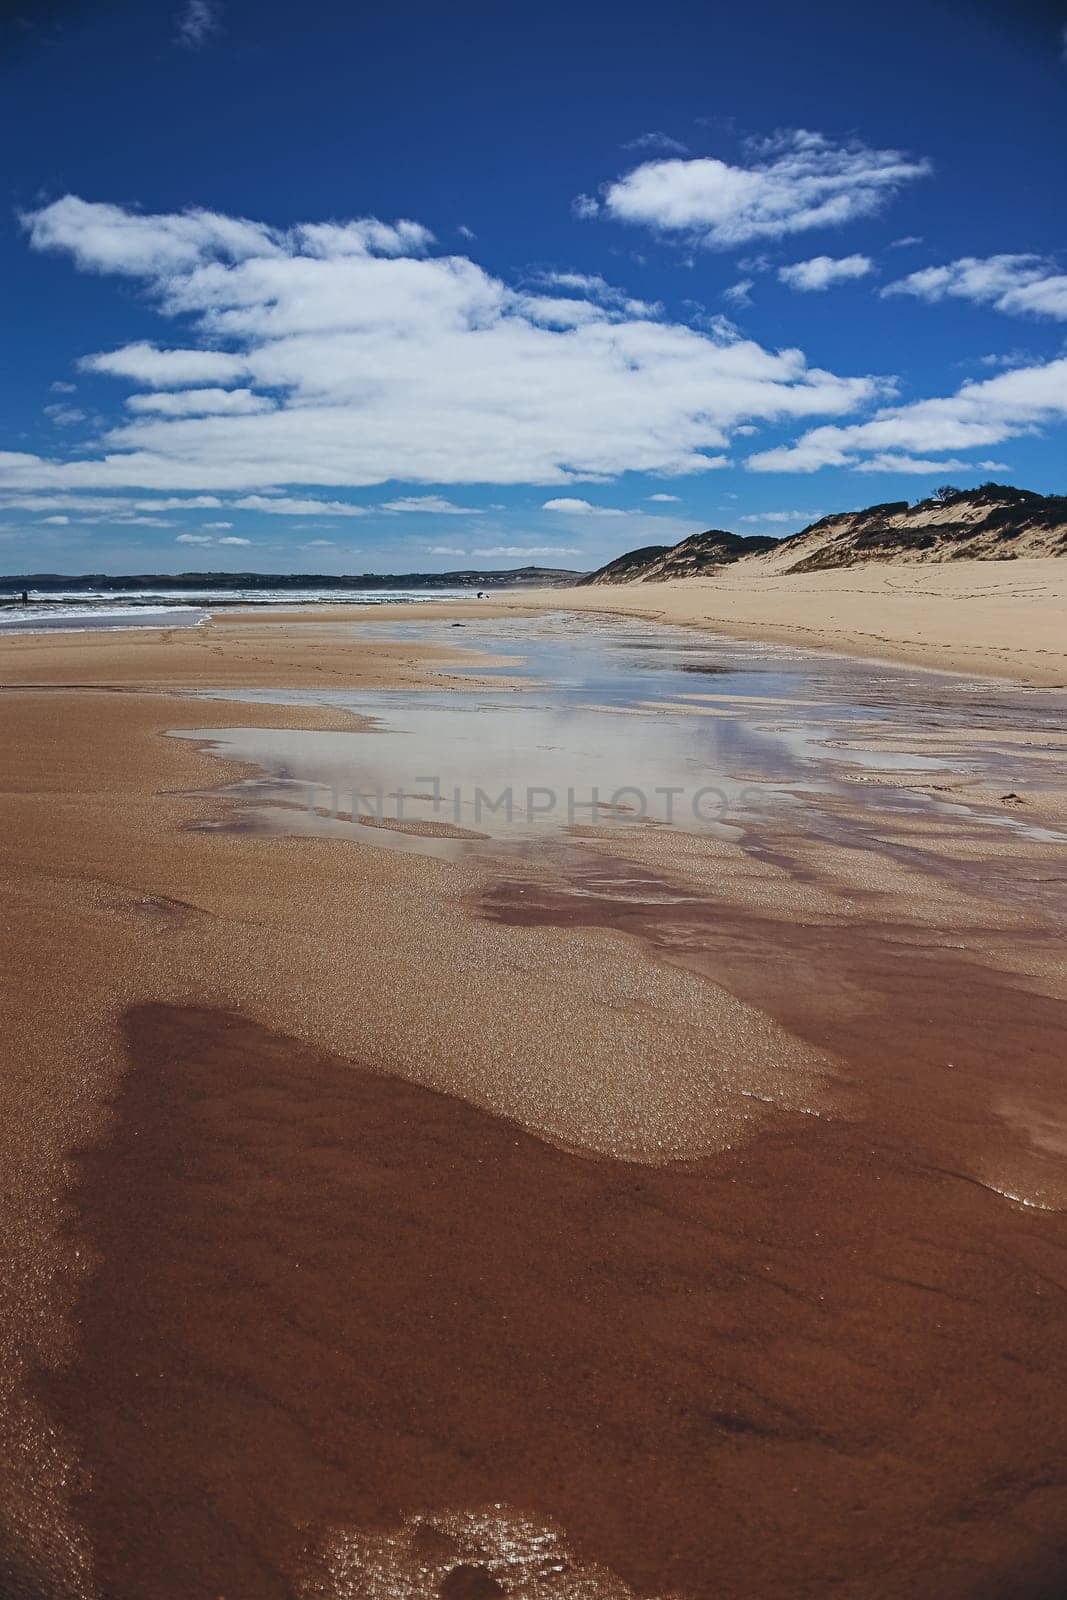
(1000, 618)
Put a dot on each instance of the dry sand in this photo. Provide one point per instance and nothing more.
(1005, 618)
(338, 1257)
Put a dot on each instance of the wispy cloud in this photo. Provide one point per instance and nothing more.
(197, 22)
(201, 402)
(363, 359)
(1014, 283)
(789, 184)
(64, 416)
(209, 538)
(113, 504)
(821, 271)
(146, 363)
(527, 550)
(739, 294)
(580, 508)
(782, 516)
(430, 504)
(284, 506)
(905, 438)
(656, 140)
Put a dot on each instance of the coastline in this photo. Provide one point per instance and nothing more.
(989, 618)
(348, 1076)
(1000, 619)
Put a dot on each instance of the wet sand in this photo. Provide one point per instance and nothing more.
(630, 1217)
(333, 1304)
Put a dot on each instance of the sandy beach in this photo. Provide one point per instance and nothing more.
(602, 1208)
(533, 802)
(1004, 618)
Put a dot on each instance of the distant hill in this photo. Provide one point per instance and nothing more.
(993, 523)
(468, 578)
(700, 553)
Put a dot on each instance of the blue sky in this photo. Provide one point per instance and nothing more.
(393, 288)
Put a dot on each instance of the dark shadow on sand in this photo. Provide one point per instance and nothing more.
(324, 1297)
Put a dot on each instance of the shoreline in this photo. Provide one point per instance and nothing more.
(982, 618)
(989, 619)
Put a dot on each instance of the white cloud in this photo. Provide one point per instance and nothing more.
(196, 22)
(194, 538)
(55, 522)
(401, 368)
(465, 232)
(64, 416)
(796, 181)
(138, 522)
(446, 550)
(76, 502)
(319, 544)
(1023, 284)
(528, 550)
(145, 363)
(783, 516)
(284, 506)
(665, 499)
(657, 141)
(62, 502)
(1007, 358)
(821, 271)
(218, 524)
(584, 206)
(432, 504)
(903, 243)
(196, 502)
(601, 298)
(739, 293)
(365, 236)
(61, 387)
(553, 311)
(1014, 402)
(888, 462)
(233, 538)
(107, 238)
(201, 402)
(581, 508)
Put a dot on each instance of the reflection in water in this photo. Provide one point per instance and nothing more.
(347, 1337)
(609, 730)
(840, 787)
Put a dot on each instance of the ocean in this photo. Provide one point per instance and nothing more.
(78, 610)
